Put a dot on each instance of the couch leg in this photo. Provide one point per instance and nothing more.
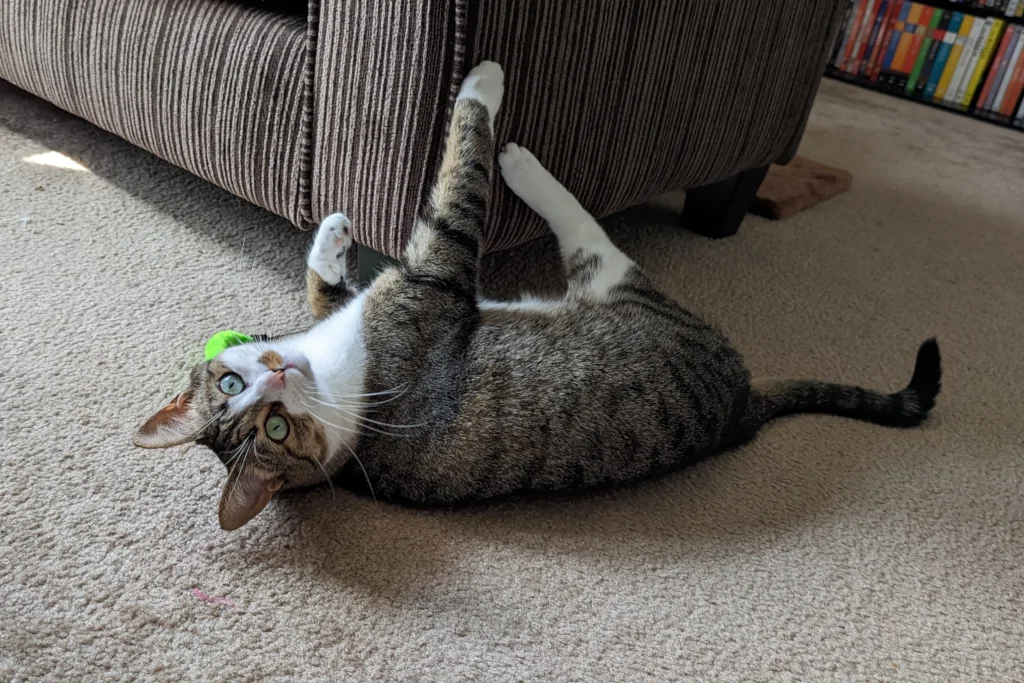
(370, 262)
(717, 210)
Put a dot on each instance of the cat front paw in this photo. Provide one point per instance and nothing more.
(333, 239)
(485, 83)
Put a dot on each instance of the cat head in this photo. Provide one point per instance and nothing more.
(256, 406)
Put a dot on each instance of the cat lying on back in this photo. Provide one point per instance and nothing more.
(448, 398)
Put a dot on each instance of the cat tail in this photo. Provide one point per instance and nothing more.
(770, 398)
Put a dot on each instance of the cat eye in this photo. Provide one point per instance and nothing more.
(276, 428)
(231, 384)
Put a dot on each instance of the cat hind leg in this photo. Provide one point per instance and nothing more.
(594, 266)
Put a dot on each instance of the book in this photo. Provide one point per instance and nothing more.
(1013, 92)
(873, 40)
(903, 47)
(895, 38)
(953, 64)
(895, 9)
(958, 86)
(914, 51)
(1009, 69)
(858, 24)
(943, 55)
(989, 44)
(929, 52)
(868, 23)
(996, 75)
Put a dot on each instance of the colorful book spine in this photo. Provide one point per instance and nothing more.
(943, 55)
(863, 37)
(953, 65)
(873, 40)
(852, 41)
(920, 30)
(958, 86)
(991, 41)
(885, 72)
(903, 47)
(996, 74)
(929, 52)
(1013, 93)
(1013, 56)
(895, 8)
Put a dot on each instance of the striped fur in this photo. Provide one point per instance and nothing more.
(446, 399)
(613, 383)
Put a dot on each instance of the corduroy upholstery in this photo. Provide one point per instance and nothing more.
(347, 111)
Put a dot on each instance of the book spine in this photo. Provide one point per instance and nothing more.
(867, 22)
(987, 97)
(1009, 68)
(892, 44)
(958, 84)
(1013, 92)
(943, 56)
(884, 55)
(852, 41)
(955, 55)
(912, 66)
(931, 50)
(902, 63)
(992, 36)
(873, 40)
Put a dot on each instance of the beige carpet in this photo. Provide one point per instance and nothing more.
(825, 551)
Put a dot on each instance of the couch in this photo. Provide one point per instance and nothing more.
(310, 108)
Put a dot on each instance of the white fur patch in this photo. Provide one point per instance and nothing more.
(327, 255)
(574, 227)
(485, 83)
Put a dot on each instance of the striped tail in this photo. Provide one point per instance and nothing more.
(774, 398)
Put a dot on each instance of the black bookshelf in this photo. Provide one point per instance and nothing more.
(969, 111)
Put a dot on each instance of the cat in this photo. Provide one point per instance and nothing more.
(419, 391)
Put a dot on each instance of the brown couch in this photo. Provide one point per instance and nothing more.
(346, 108)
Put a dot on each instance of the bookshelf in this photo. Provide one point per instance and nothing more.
(962, 56)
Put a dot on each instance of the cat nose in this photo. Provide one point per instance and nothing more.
(277, 379)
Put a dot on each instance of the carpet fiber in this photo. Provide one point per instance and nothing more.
(827, 550)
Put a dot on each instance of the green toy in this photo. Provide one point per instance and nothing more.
(222, 340)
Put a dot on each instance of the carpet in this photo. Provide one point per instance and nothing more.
(826, 550)
(797, 186)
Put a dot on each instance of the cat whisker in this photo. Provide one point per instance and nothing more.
(355, 418)
(326, 476)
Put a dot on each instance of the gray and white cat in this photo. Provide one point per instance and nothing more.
(447, 398)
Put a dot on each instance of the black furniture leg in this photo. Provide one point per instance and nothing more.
(717, 210)
(370, 262)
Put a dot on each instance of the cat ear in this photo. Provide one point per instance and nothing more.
(245, 495)
(172, 425)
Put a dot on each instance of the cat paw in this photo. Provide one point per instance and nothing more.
(525, 176)
(333, 238)
(485, 83)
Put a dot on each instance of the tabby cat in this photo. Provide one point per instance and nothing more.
(422, 392)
